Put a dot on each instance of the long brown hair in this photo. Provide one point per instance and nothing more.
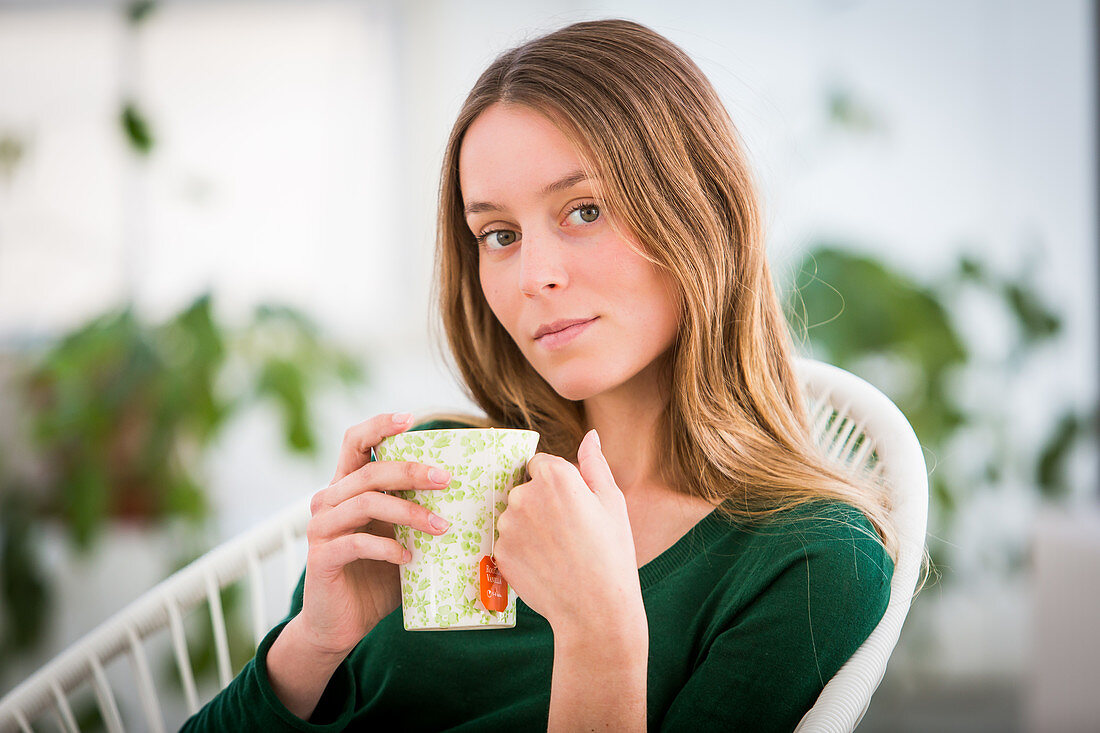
(666, 158)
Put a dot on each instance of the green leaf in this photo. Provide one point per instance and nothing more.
(846, 111)
(86, 503)
(1050, 469)
(24, 591)
(187, 499)
(284, 382)
(136, 128)
(971, 269)
(12, 149)
(854, 307)
(139, 10)
(1036, 322)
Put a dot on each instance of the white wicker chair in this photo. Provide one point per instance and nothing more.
(859, 425)
(163, 608)
(854, 422)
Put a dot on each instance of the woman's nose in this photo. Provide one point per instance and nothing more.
(542, 263)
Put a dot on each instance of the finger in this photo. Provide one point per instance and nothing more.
(355, 451)
(545, 464)
(361, 509)
(593, 465)
(331, 557)
(381, 476)
(554, 471)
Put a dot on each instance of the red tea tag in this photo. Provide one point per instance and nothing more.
(494, 589)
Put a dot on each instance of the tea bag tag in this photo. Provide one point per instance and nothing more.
(494, 589)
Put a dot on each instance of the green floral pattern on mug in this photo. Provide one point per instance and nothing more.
(440, 586)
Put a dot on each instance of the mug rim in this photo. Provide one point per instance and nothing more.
(466, 430)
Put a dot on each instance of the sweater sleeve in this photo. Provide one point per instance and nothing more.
(249, 703)
(765, 666)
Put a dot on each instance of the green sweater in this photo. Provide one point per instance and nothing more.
(747, 624)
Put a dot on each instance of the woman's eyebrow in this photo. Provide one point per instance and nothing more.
(567, 181)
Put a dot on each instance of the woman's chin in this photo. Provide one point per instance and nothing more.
(574, 387)
(576, 390)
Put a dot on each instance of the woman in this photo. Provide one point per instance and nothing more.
(698, 565)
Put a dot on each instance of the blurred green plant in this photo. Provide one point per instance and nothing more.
(848, 111)
(119, 414)
(12, 150)
(856, 310)
(138, 11)
(136, 128)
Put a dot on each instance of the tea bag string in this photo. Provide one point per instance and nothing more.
(492, 507)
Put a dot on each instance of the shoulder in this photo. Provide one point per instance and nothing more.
(801, 591)
(829, 518)
(823, 525)
(831, 556)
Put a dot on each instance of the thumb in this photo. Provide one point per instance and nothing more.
(593, 466)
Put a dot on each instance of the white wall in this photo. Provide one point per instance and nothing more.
(271, 176)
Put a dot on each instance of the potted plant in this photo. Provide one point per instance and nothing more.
(117, 416)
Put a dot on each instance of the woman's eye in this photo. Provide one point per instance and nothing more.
(587, 213)
(502, 237)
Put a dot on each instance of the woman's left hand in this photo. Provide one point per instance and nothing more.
(565, 543)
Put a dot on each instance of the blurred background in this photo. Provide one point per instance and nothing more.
(216, 241)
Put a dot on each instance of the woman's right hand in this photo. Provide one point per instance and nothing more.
(352, 580)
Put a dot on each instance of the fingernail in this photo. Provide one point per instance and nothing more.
(439, 476)
(407, 556)
(401, 417)
(438, 522)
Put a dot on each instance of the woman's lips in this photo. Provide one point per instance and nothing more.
(558, 339)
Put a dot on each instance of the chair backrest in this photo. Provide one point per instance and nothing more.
(852, 420)
(857, 425)
(134, 631)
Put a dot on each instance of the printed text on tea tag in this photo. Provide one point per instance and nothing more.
(494, 589)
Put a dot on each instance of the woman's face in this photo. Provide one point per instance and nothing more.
(548, 252)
